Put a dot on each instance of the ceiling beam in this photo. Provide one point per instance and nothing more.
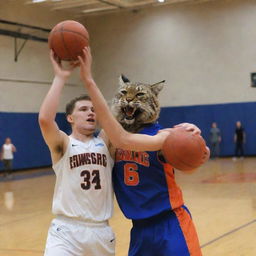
(94, 6)
(99, 9)
(22, 35)
(116, 3)
(123, 4)
(71, 4)
(16, 24)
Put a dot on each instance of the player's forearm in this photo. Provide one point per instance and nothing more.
(106, 119)
(50, 103)
(143, 142)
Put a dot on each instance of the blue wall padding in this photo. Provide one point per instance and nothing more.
(32, 151)
(25, 133)
(225, 115)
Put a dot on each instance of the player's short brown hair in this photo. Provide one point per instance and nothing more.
(71, 105)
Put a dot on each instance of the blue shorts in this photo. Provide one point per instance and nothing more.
(170, 233)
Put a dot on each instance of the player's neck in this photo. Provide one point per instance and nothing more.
(82, 137)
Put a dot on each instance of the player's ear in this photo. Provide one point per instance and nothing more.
(69, 118)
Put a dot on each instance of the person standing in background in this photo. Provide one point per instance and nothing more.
(7, 156)
(239, 139)
(215, 139)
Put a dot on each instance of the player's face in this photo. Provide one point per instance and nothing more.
(83, 117)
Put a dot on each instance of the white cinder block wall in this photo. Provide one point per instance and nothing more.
(33, 62)
(205, 52)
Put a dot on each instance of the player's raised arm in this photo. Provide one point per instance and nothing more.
(50, 130)
(117, 135)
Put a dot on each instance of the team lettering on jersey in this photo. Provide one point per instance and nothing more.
(128, 155)
(87, 158)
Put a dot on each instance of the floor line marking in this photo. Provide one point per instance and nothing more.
(22, 219)
(20, 250)
(228, 233)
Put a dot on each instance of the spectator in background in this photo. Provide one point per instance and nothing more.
(7, 156)
(215, 139)
(239, 139)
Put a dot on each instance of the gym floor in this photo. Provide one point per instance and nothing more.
(221, 196)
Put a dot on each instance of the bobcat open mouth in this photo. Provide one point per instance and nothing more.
(130, 112)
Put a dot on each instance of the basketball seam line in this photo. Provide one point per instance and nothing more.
(66, 30)
(63, 41)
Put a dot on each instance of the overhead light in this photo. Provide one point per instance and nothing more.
(38, 1)
(161, 1)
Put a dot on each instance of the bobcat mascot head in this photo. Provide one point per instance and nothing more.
(136, 104)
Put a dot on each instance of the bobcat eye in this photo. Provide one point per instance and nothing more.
(124, 92)
(140, 94)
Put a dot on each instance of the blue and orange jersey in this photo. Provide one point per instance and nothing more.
(144, 184)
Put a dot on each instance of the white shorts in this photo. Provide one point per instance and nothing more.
(68, 237)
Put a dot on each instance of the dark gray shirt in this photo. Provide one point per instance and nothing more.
(214, 135)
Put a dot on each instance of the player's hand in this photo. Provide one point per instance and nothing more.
(189, 127)
(85, 65)
(59, 70)
(204, 159)
(163, 134)
(206, 155)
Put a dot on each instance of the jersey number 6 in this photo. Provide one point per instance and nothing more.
(131, 175)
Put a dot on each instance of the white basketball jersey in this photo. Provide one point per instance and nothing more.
(83, 188)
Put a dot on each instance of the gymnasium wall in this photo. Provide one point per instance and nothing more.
(23, 84)
(25, 133)
(205, 52)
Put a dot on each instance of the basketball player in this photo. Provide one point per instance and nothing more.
(144, 184)
(83, 196)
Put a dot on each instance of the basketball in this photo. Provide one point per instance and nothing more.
(184, 150)
(67, 39)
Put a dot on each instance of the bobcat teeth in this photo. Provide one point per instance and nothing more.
(129, 121)
(129, 111)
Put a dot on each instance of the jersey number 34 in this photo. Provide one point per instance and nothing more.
(90, 179)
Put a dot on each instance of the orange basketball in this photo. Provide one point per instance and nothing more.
(67, 39)
(184, 150)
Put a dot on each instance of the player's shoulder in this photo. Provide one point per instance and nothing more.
(103, 136)
(59, 149)
(108, 143)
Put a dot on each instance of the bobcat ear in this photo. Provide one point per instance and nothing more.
(123, 79)
(157, 87)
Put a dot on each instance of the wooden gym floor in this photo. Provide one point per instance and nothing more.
(221, 196)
